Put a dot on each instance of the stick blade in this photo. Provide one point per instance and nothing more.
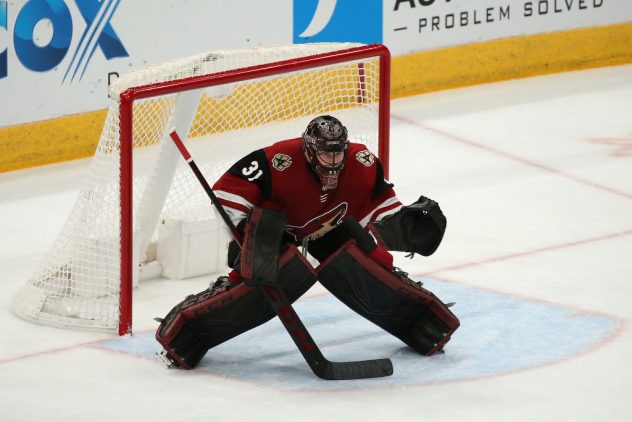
(374, 368)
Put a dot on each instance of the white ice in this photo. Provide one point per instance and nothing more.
(535, 177)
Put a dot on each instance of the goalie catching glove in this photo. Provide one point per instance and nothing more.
(416, 228)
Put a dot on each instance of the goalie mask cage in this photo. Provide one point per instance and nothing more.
(224, 104)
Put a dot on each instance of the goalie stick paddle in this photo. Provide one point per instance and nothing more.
(321, 367)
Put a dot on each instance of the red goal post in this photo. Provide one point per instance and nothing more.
(272, 98)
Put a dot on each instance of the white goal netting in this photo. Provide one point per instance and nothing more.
(78, 283)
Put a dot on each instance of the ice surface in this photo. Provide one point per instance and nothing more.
(535, 177)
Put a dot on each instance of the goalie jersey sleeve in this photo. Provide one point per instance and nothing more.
(278, 178)
(244, 185)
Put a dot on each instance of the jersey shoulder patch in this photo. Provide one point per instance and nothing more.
(281, 161)
(365, 157)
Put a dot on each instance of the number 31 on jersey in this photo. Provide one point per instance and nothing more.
(249, 170)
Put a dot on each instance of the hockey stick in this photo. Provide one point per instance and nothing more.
(322, 367)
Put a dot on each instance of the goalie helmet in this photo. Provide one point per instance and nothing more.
(325, 146)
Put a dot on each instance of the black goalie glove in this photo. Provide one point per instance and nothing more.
(415, 228)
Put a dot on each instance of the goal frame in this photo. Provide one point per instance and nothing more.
(132, 94)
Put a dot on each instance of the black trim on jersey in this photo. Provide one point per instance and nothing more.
(255, 168)
(381, 185)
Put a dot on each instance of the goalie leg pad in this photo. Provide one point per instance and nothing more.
(393, 302)
(211, 317)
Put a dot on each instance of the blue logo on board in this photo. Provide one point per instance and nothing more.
(98, 33)
(342, 21)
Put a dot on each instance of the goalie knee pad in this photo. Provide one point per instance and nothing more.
(392, 301)
(211, 317)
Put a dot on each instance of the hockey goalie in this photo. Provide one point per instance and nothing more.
(329, 195)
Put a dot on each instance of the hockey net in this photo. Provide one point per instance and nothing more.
(224, 104)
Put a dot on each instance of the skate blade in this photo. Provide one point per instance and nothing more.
(164, 358)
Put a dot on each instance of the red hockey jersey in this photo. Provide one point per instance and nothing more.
(278, 177)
